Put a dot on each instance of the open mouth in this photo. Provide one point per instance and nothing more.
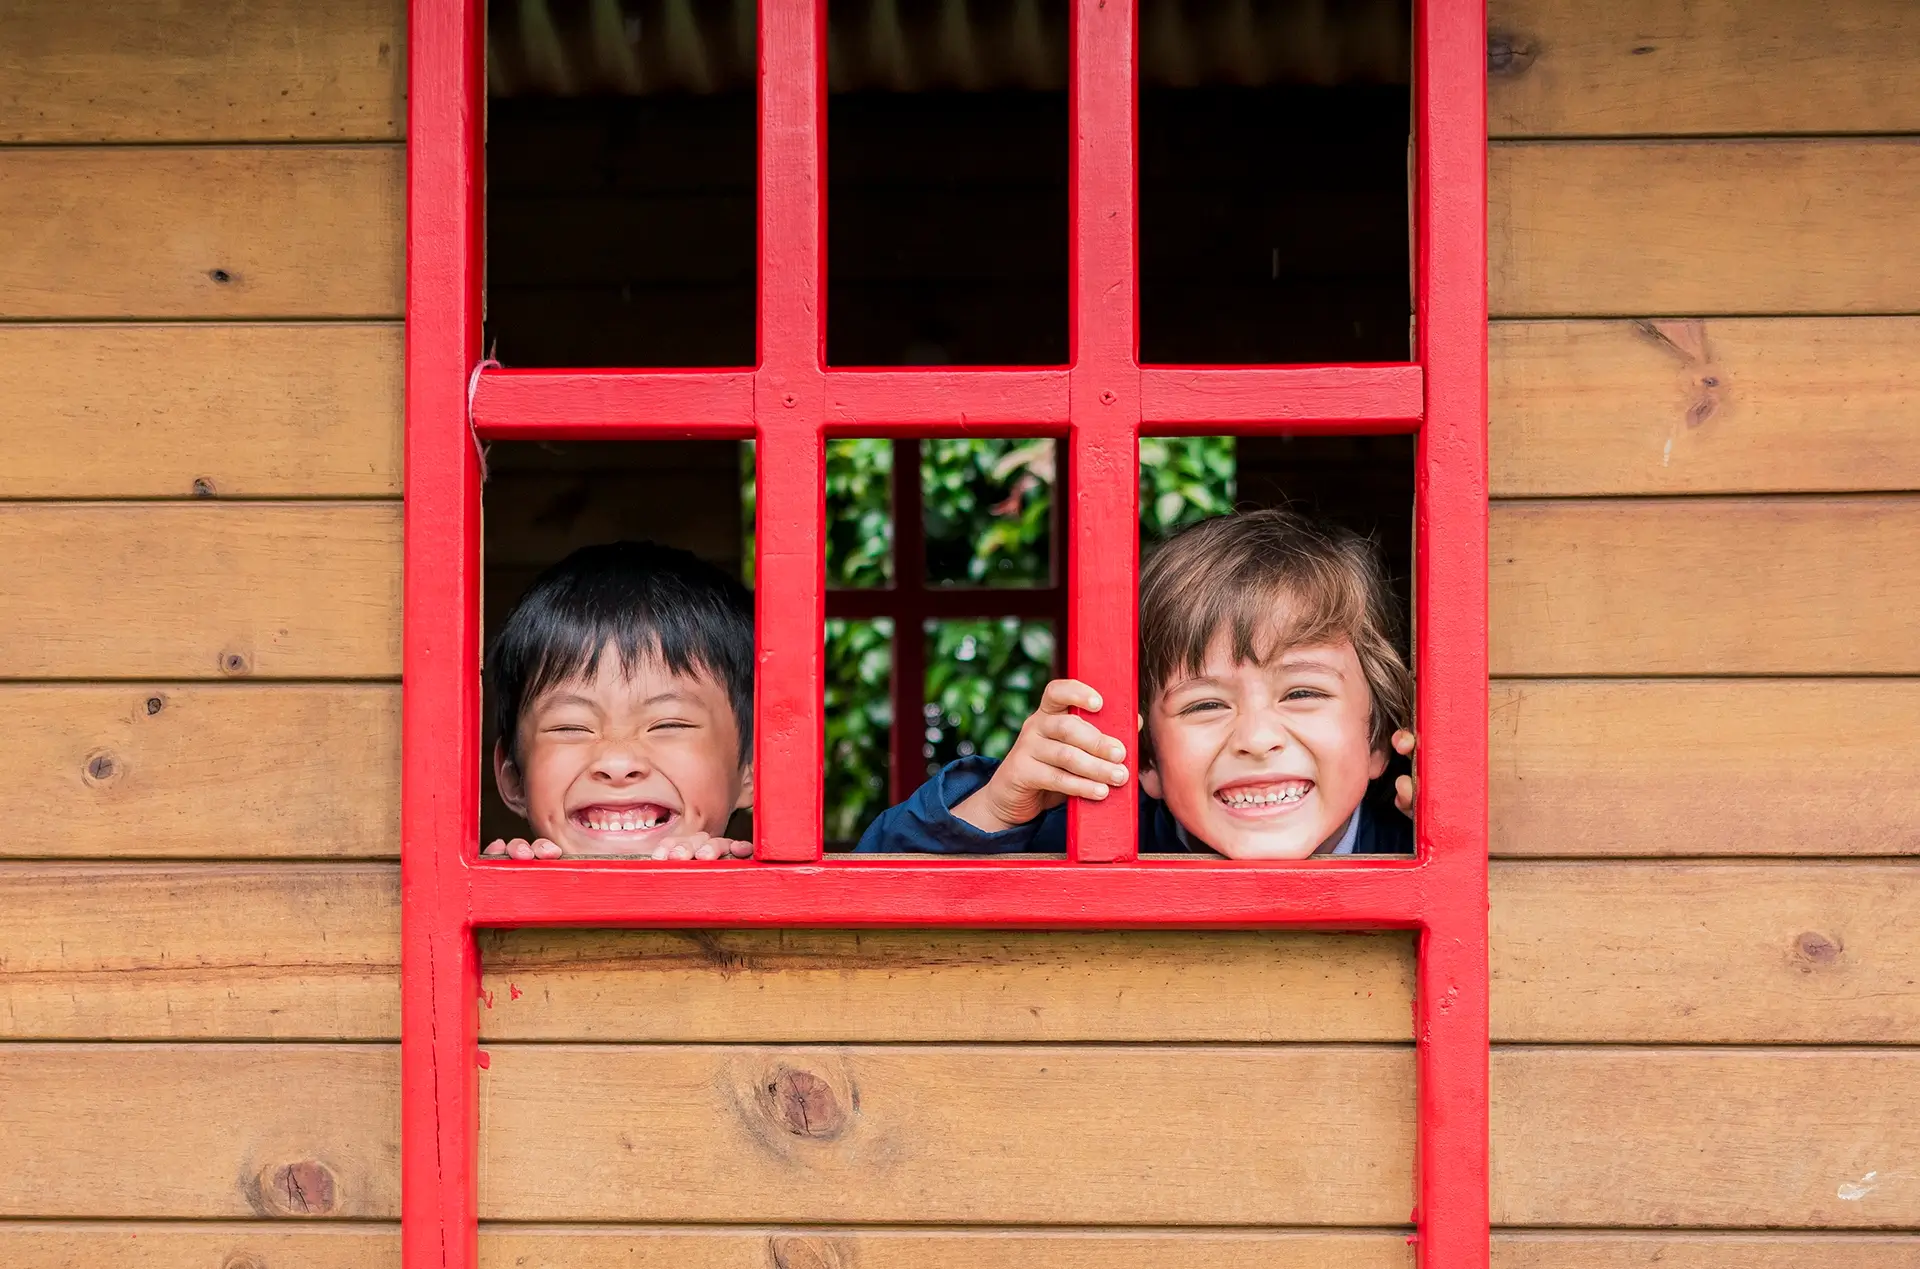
(631, 818)
(1270, 797)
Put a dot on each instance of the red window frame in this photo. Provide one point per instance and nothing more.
(789, 403)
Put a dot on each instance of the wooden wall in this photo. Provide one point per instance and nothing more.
(1706, 919)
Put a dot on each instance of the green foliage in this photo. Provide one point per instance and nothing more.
(988, 516)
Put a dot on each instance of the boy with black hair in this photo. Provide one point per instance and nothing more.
(623, 707)
(1272, 693)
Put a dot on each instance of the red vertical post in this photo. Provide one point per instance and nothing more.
(1450, 579)
(789, 405)
(1103, 404)
(909, 764)
(440, 812)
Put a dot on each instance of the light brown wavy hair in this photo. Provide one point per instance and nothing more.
(1246, 571)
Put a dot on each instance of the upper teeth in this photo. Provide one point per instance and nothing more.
(622, 821)
(1292, 793)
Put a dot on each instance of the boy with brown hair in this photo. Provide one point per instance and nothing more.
(1272, 693)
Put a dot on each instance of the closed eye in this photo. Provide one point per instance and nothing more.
(1307, 694)
(1199, 706)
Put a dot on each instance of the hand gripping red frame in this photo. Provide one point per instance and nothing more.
(789, 404)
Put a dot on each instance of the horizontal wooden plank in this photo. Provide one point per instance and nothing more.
(201, 1130)
(199, 590)
(295, 231)
(1818, 585)
(1809, 1138)
(1702, 1137)
(158, 1245)
(1697, 228)
(1322, 1134)
(237, 70)
(1731, 405)
(1638, 1250)
(201, 410)
(217, 770)
(1693, 953)
(239, 951)
(919, 985)
(1563, 67)
(1701, 767)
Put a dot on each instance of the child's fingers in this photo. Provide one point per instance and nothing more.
(1076, 731)
(1052, 779)
(1403, 794)
(495, 847)
(1404, 742)
(544, 849)
(1071, 758)
(1062, 695)
(520, 848)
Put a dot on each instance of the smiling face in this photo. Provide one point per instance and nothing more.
(1265, 761)
(614, 763)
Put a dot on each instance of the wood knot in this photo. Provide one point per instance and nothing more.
(803, 1103)
(305, 1188)
(1817, 949)
(220, 276)
(787, 1251)
(155, 704)
(202, 487)
(101, 768)
(235, 663)
(1509, 54)
(243, 1260)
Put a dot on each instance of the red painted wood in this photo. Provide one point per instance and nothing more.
(789, 406)
(1104, 400)
(440, 712)
(866, 890)
(788, 402)
(1450, 588)
(1252, 401)
(909, 611)
(937, 400)
(613, 405)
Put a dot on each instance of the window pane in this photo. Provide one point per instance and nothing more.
(988, 510)
(983, 678)
(859, 711)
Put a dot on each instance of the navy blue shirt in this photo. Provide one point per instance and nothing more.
(926, 822)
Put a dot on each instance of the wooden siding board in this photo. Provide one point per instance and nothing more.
(1814, 585)
(208, 770)
(199, 590)
(236, 70)
(1703, 228)
(1704, 767)
(1728, 405)
(202, 232)
(1654, 67)
(200, 410)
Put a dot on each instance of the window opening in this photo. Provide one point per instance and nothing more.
(621, 183)
(1273, 181)
(947, 162)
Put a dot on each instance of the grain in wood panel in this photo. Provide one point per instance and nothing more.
(874, 985)
(1320, 1134)
(1813, 1138)
(200, 411)
(232, 70)
(802, 1248)
(231, 951)
(176, 769)
(1695, 228)
(1563, 67)
(1709, 586)
(231, 1245)
(1775, 1250)
(1682, 767)
(1731, 405)
(201, 1130)
(199, 590)
(295, 231)
(1706, 953)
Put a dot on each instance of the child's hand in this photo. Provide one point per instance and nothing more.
(1403, 786)
(521, 848)
(1058, 755)
(702, 846)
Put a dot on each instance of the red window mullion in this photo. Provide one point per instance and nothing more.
(789, 409)
(1104, 403)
